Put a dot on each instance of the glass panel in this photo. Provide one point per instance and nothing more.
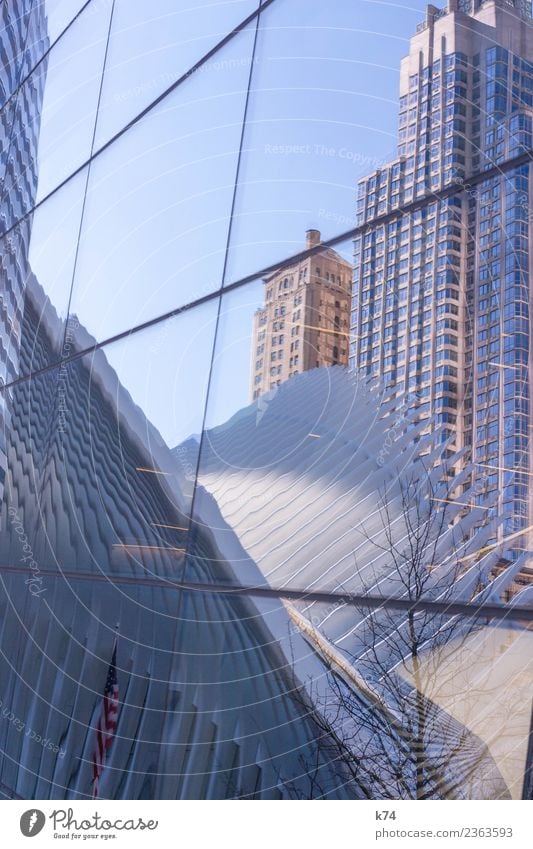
(190, 725)
(194, 726)
(6, 126)
(152, 46)
(49, 18)
(322, 112)
(274, 329)
(158, 203)
(146, 394)
(27, 413)
(124, 408)
(283, 428)
(310, 488)
(321, 470)
(36, 277)
(13, 32)
(226, 696)
(94, 517)
(425, 706)
(197, 481)
(54, 117)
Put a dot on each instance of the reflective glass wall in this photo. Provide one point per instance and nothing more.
(304, 601)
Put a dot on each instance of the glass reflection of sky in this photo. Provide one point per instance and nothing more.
(157, 209)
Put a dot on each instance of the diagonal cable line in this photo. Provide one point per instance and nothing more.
(467, 184)
(472, 610)
(13, 95)
(191, 537)
(147, 109)
(488, 611)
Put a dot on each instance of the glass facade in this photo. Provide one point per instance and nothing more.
(204, 447)
(440, 305)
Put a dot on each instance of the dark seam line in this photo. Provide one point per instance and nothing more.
(14, 116)
(45, 54)
(3, 176)
(527, 789)
(19, 649)
(49, 441)
(191, 537)
(9, 791)
(523, 159)
(452, 608)
(4, 196)
(82, 214)
(148, 108)
(227, 38)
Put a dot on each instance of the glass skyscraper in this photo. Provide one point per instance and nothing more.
(441, 296)
(280, 548)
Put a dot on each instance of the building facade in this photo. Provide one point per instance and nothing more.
(23, 40)
(138, 487)
(55, 518)
(183, 732)
(442, 296)
(304, 321)
(315, 517)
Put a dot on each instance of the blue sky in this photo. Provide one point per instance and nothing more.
(322, 112)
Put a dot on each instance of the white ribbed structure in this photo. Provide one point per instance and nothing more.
(304, 482)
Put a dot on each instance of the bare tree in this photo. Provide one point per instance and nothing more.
(382, 709)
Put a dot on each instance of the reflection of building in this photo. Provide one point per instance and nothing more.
(96, 527)
(23, 38)
(302, 487)
(13, 28)
(442, 296)
(95, 518)
(19, 139)
(304, 321)
(211, 704)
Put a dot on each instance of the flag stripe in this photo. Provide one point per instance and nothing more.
(107, 722)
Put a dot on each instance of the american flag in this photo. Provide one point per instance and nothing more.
(107, 722)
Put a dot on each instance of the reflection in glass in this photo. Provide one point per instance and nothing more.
(56, 15)
(145, 483)
(54, 116)
(432, 707)
(146, 375)
(36, 265)
(6, 123)
(151, 47)
(270, 331)
(314, 124)
(478, 676)
(98, 503)
(159, 200)
(20, 123)
(13, 30)
(279, 698)
(328, 483)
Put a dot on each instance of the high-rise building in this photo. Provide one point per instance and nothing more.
(45, 751)
(441, 294)
(143, 193)
(19, 138)
(304, 321)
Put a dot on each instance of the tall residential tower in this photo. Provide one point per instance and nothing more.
(304, 321)
(441, 294)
